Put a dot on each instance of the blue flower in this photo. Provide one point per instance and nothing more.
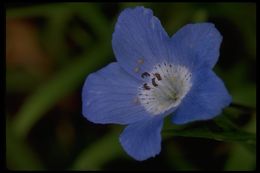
(155, 75)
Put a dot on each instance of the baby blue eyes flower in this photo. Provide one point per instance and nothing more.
(155, 75)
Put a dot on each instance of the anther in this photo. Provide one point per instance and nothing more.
(145, 74)
(168, 84)
(146, 87)
(153, 82)
(158, 76)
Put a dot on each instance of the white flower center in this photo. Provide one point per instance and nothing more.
(166, 86)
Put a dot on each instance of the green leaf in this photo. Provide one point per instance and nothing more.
(21, 81)
(200, 16)
(103, 150)
(62, 84)
(53, 35)
(240, 159)
(19, 155)
(91, 14)
(34, 11)
(71, 76)
(210, 133)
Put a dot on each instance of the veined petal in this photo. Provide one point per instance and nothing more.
(196, 45)
(110, 96)
(206, 99)
(139, 41)
(142, 140)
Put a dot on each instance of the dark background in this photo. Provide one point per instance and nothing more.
(52, 47)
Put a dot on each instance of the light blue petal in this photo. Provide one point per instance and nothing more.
(142, 140)
(139, 41)
(207, 98)
(196, 46)
(109, 96)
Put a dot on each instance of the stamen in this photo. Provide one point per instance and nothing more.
(158, 76)
(146, 87)
(153, 82)
(166, 89)
(145, 74)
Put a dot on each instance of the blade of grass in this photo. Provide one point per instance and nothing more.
(240, 159)
(53, 35)
(34, 10)
(69, 78)
(88, 11)
(243, 157)
(91, 14)
(205, 132)
(94, 156)
(18, 155)
(58, 15)
(61, 85)
(17, 81)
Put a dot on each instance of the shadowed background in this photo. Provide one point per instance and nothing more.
(50, 50)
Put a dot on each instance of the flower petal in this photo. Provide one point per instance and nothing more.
(207, 98)
(196, 45)
(142, 140)
(139, 40)
(109, 96)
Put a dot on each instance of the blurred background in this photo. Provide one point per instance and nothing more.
(50, 50)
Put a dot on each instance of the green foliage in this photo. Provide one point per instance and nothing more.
(71, 70)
